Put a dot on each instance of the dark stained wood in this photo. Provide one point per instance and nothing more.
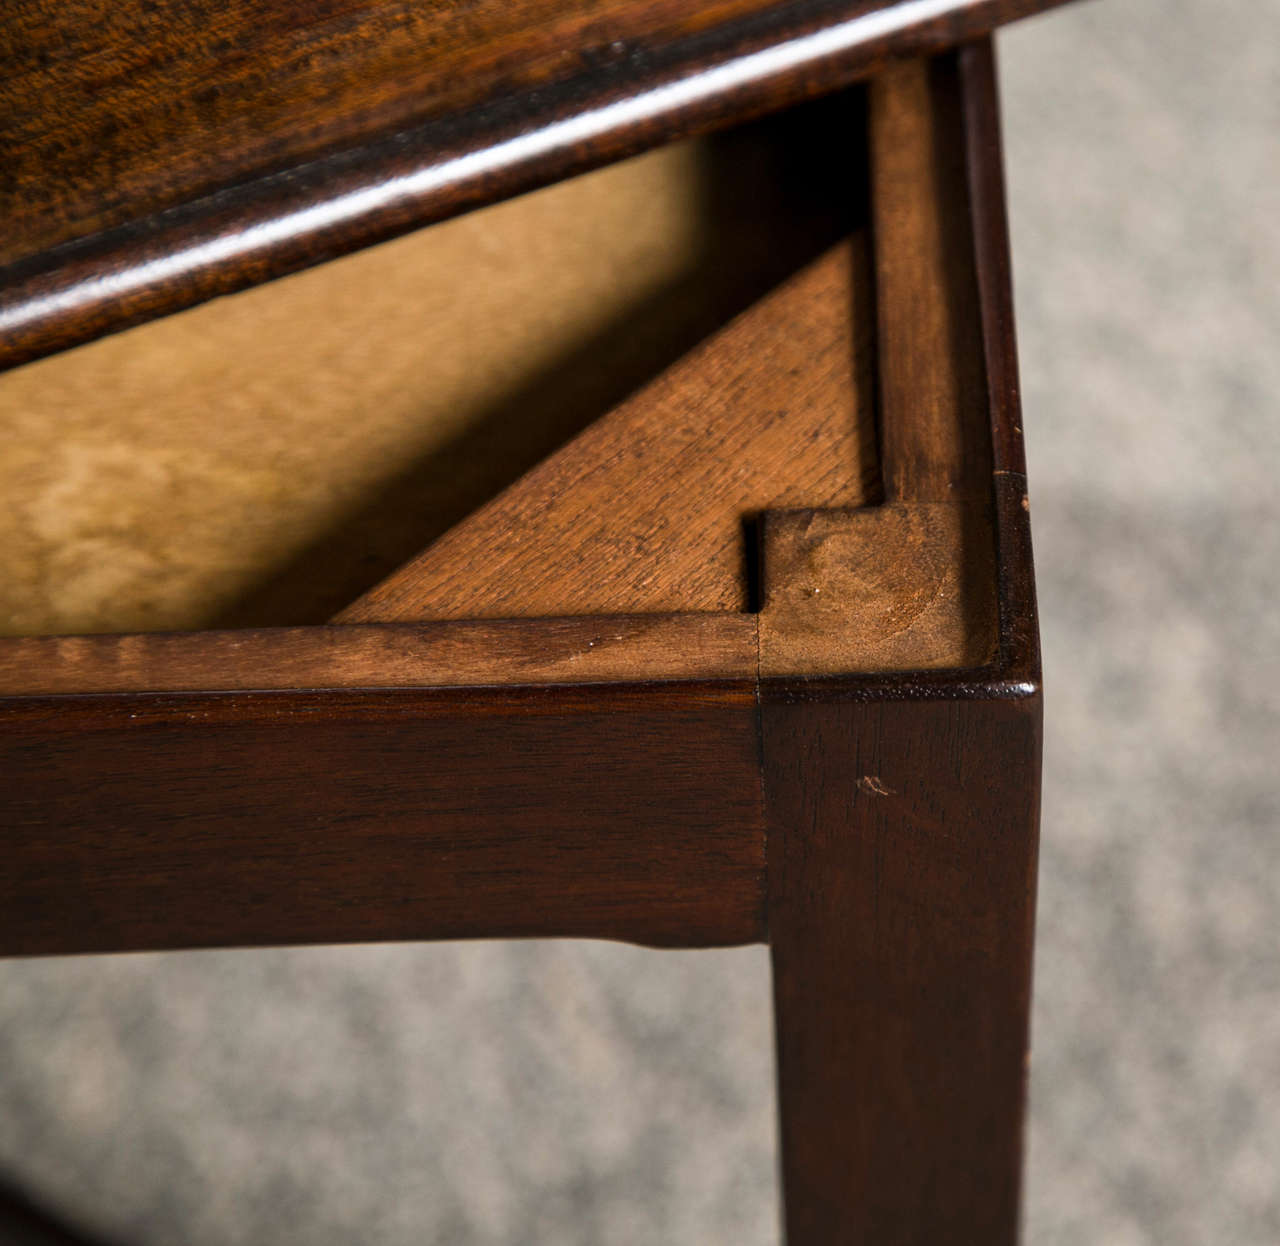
(113, 114)
(452, 654)
(650, 508)
(149, 822)
(157, 155)
(382, 814)
(902, 809)
(902, 855)
(885, 752)
(1019, 658)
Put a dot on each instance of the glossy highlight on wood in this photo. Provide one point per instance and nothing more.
(158, 679)
(162, 154)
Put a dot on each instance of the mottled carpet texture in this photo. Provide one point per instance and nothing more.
(505, 1094)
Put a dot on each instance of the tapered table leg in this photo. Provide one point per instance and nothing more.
(902, 845)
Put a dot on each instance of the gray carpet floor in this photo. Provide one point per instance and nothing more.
(574, 1093)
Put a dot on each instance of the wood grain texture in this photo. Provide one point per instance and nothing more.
(454, 654)
(902, 856)
(910, 584)
(264, 459)
(361, 814)
(935, 428)
(151, 823)
(650, 509)
(903, 809)
(160, 154)
(890, 588)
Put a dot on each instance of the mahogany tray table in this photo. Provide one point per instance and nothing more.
(751, 658)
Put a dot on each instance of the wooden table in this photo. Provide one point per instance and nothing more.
(732, 640)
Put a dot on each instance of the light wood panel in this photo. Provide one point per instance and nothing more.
(653, 508)
(897, 587)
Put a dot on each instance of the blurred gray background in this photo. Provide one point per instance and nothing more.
(590, 1093)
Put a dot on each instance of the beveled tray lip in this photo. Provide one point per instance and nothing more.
(320, 209)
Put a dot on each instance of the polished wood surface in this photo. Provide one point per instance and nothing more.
(858, 786)
(113, 113)
(153, 822)
(903, 813)
(856, 781)
(936, 440)
(65, 749)
(908, 585)
(902, 855)
(158, 154)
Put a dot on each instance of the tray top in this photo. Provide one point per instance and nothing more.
(158, 153)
